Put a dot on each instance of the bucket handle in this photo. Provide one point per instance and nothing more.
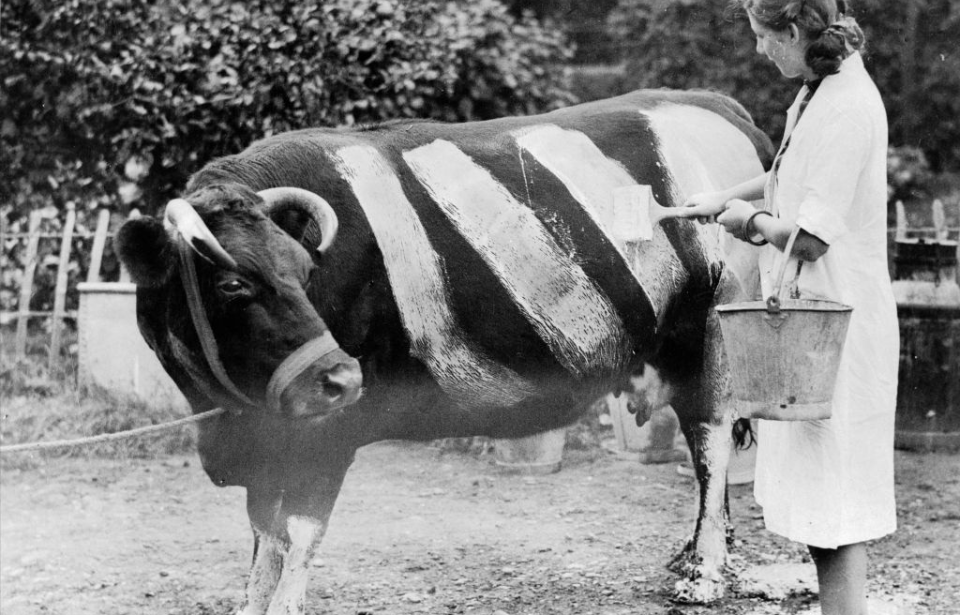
(773, 301)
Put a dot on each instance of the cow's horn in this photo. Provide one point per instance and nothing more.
(180, 215)
(309, 203)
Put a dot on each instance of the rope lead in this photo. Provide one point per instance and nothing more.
(107, 437)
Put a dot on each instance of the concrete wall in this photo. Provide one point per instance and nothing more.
(113, 354)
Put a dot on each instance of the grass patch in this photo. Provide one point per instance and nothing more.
(38, 404)
(64, 414)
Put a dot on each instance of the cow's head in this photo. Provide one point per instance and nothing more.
(228, 271)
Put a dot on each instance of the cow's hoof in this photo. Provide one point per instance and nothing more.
(684, 563)
(698, 591)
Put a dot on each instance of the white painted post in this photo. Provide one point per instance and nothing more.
(60, 293)
(26, 285)
(901, 222)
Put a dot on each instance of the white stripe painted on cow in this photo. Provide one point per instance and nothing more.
(703, 151)
(419, 287)
(591, 177)
(573, 317)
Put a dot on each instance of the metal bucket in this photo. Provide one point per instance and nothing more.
(540, 453)
(784, 354)
(784, 363)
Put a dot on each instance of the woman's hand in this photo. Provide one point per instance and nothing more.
(734, 216)
(705, 206)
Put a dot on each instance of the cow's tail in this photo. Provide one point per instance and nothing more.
(743, 436)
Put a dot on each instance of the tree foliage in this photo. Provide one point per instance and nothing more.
(699, 44)
(913, 52)
(914, 55)
(107, 100)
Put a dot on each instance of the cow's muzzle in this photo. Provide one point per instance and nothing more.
(332, 378)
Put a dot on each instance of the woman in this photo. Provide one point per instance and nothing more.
(828, 484)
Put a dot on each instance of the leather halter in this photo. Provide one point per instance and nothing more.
(316, 350)
(198, 315)
(306, 355)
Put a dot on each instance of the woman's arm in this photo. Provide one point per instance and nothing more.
(705, 206)
(737, 220)
(750, 190)
(730, 208)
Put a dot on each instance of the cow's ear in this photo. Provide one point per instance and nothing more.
(298, 224)
(146, 251)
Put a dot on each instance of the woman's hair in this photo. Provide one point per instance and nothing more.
(823, 22)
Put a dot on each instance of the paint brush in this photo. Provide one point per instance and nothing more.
(636, 212)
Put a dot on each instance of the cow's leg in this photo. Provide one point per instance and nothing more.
(706, 421)
(304, 535)
(281, 563)
(268, 550)
(288, 528)
(702, 560)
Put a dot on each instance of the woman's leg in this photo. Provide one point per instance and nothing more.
(842, 575)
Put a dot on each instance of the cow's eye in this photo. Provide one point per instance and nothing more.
(232, 287)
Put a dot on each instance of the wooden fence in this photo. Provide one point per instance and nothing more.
(937, 231)
(59, 313)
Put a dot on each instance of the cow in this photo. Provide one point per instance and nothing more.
(423, 280)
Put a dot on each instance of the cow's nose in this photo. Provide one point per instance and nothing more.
(321, 390)
(341, 385)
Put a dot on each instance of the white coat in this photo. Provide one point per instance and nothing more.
(829, 483)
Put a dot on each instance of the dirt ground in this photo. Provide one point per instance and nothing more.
(418, 529)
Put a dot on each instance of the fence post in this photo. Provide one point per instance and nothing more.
(3, 241)
(124, 274)
(99, 241)
(60, 294)
(939, 221)
(901, 222)
(26, 285)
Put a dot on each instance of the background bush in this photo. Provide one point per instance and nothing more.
(107, 102)
(114, 103)
(913, 53)
(700, 44)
